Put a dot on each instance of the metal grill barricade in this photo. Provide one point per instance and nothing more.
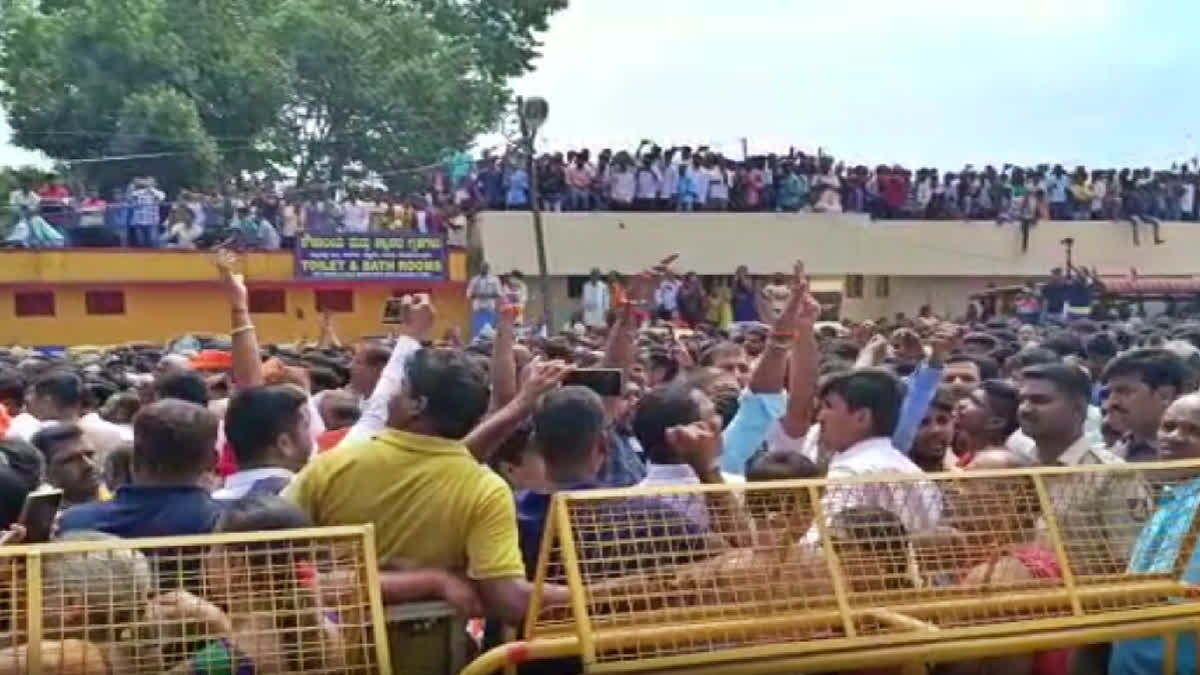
(296, 601)
(814, 575)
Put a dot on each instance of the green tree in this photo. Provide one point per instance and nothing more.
(316, 87)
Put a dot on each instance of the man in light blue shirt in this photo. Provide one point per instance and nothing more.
(1161, 540)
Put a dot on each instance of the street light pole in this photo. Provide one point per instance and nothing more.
(532, 113)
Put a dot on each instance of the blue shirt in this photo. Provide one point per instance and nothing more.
(1056, 188)
(922, 388)
(623, 465)
(1155, 551)
(518, 187)
(146, 511)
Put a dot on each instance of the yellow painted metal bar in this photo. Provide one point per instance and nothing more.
(86, 546)
(549, 531)
(516, 653)
(1170, 644)
(1060, 551)
(937, 652)
(570, 561)
(379, 631)
(1188, 546)
(937, 478)
(510, 635)
(897, 620)
(612, 640)
(913, 668)
(33, 611)
(831, 561)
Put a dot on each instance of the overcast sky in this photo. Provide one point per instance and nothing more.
(937, 82)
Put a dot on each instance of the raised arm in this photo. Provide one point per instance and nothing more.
(802, 370)
(771, 369)
(247, 363)
(489, 434)
(416, 325)
(504, 364)
(329, 336)
(700, 446)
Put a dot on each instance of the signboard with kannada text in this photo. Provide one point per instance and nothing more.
(371, 257)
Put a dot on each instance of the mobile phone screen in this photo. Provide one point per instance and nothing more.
(37, 515)
(603, 381)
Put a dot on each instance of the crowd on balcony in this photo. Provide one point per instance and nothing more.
(652, 178)
(264, 214)
(255, 214)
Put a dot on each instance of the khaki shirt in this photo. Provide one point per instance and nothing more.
(1099, 514)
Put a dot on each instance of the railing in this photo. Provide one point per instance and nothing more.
(810, 576)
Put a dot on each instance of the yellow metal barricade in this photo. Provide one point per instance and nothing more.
(278, 602)
(812, 576)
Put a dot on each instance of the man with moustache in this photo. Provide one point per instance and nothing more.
(1141, 383)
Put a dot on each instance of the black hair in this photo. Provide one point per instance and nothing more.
(567, 424)
(659, 358)
(23, 458)
(780, 465)
(1070, 380)
(879, 531)
(1004, 400)
(514, 446)
(875, 389)
(1155, 367)
(661, 408)
(842, 349)
(118, 466)
(323, 379)
(986, 365)
(1064, 343)
(1100, 346)
(12, 385)
(714, 351)
(174, 439)
(455, 390)
(47, 438)
(186, 386)
(258, 416)
(63, 387)
(14, 488)
(1030, 356)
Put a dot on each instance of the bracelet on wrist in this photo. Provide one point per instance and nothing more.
(241, 329)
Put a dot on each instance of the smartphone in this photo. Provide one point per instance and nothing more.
(603, 381)
(38, 513)
(395, 310)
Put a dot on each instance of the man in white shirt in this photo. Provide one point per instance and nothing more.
(356, 215)
(859, 411)
(595, 300)
(55, 397)
(268, 432)
(484, 292)
(666, 296)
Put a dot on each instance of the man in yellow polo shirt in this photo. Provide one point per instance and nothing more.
(432, 504)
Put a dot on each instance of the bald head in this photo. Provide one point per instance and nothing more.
(1179, 430)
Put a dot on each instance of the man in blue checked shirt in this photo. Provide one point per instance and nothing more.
(1161, 539)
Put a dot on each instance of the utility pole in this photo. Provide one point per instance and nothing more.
(532, 113)
(745, 149)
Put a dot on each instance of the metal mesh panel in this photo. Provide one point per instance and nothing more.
(686, 575)
(303, 601)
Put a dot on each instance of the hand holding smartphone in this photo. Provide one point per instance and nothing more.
(38, 514)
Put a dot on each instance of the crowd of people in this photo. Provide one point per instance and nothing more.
(256, 215)
(452, 451)
(681, 178)
(48, 213)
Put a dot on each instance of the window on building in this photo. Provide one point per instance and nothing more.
(104, 302)
(267, 301)
(854, 286)
(883, 287)
(335, 300)
(34, 303)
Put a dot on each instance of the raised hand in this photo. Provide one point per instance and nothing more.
(234, 282)
(697, 444)
(542, 377)
(418, 315)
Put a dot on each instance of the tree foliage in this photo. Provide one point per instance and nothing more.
(312, 87)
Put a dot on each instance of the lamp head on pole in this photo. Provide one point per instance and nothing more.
(534, 109)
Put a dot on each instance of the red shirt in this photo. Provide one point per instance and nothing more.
(894, 189)
(54, 192)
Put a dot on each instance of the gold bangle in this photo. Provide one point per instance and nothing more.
(241, 329)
